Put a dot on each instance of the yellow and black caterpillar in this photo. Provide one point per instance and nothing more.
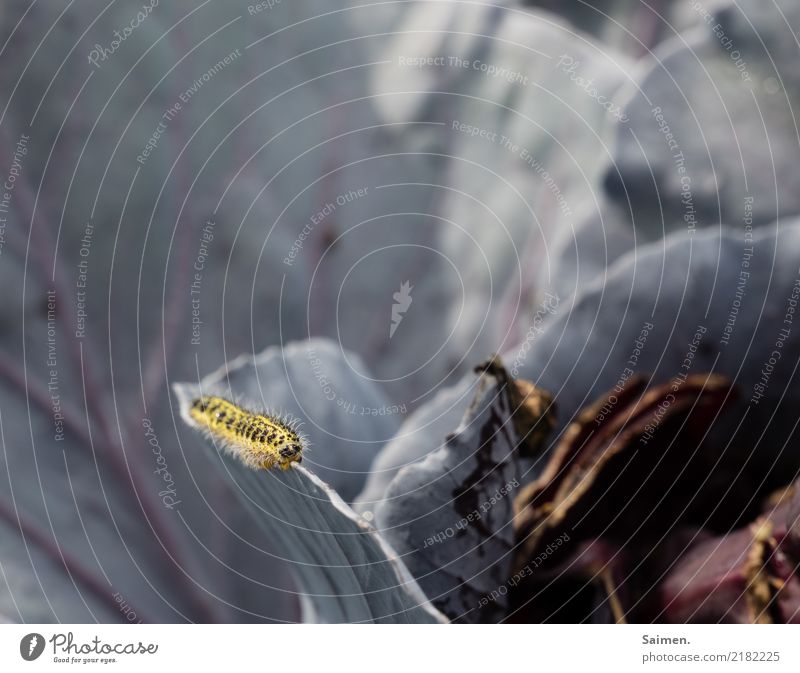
(261, 441)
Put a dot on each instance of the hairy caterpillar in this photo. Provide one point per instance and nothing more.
(261, 441)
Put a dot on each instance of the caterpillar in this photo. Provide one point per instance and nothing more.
(261, 441)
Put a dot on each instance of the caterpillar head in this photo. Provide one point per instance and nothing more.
(285, 442)
(290, 450)
(289, 443)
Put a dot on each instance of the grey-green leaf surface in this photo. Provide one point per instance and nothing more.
(451, 515)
